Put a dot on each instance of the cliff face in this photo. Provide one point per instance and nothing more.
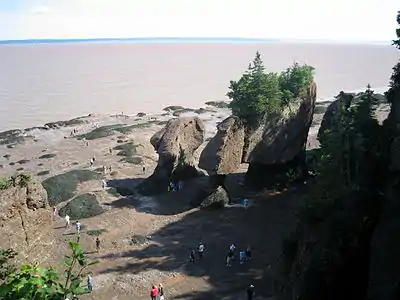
(26, 222)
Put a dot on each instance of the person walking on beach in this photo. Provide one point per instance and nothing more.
(67, 221)
(250, 292)
(192, 256)
(242, 256)
(229, 258)
(78, 226)
(97, 244)
(91, 162)
(161, 291)
(200, 249)
(245, 203)
(54, 212)
(248, 252)
(104, 184)
(232, 248)
(154, 292)
(144, 169)
(104, 170)
(90, 283)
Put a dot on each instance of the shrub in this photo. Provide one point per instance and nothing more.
(48, 155)
(63, 186)
(23, 161)
(128, 149)
(81, 207)
(138, 240)
(173, 108)
(135, 160)
(5, 183)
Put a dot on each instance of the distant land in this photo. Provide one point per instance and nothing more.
(185, 40)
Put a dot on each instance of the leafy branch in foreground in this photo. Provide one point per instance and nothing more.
(36, 283)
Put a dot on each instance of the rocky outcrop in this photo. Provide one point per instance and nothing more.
(330, 257)
(175, 145)
(278, 142)
(26, 221)
(223, 153)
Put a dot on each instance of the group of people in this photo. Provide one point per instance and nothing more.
(244, 255)
(175, 186)
(157, 292)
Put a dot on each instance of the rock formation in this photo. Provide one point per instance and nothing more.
(26, 223)
(223, 153)
(278, 142)
(175, 145)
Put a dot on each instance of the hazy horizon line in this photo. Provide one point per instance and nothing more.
(185, 39)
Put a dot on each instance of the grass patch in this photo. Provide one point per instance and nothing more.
(101, 132)
(12, 163)
(42, 173)
(95, 232)
(81, 207)
(72, 122)
(113, 192)
(130, 128)
(63, 186)
(135, 160)
(218, 104)
(138, 239)
(7, 156)
(13, 136)
(128, 149)
(141, 114)
(47, 155)
(20, 169)
(23, 161)
(173, 108)
(40, 164)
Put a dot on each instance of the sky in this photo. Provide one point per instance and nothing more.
(341, 20)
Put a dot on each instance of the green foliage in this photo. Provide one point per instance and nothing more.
(129, 151)
(173, 108)
(294, 80)
(81, 207)
(47, 155)
(258, 93)
(6, 264)
(394, 91)
(63, 186)
(351, 154)
(33, 282)
(5, 183)
(13, 136)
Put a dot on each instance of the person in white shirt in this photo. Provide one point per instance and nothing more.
(66, 221)
(200, 249)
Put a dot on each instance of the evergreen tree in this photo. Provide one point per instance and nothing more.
(393, 93)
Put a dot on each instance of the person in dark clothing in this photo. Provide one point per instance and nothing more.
(192, 256)
(250, 292)
(97, 244)
(248, 252)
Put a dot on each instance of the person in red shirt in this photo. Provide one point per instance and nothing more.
(154, 293)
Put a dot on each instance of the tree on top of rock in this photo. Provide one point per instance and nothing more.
(394, 91)
(258, 93)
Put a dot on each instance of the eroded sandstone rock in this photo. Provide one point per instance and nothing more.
(223, 153)
(175, 145)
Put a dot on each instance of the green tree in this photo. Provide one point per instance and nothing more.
(294, 80)
(394, 91)
(258, 93)
(33, 282)
(255, 93)
(6, 265)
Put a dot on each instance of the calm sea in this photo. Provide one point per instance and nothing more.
(40, 83)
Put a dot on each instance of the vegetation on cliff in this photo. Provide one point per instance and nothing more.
(37, 283)
(258, 93)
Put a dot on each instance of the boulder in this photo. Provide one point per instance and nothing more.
(217, 199)
(175, 145)
(279, 139)
(223, 153)
(275, 147)
(26, 221)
